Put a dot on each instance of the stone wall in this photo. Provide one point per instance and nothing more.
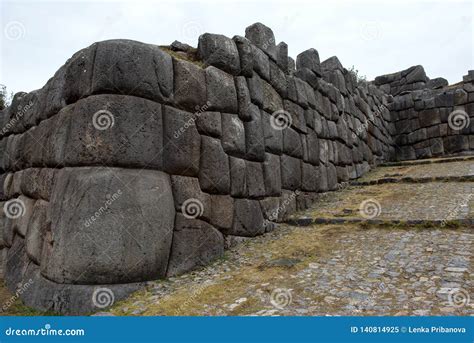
(431, 118)
(137, 162)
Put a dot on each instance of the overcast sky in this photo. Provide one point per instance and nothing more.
(376, 37)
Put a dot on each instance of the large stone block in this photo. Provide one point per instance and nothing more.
(39, 223)
(296, 112)
(263, 37)
(189, 85)
(254, 136)
(429, 117)
(121, 131)
(248, 219)
(309, 59)
(254, 179)
(209, 124)
(188, 197)
(222, 211)
(238, 177)
(272, 175)
(273, 135)
(256, 89)
(181, 143)
(292, 143)
(132, 68)
(245, 54)
(219, 51)
(233, 135)
(453, 144)
(98, 237)
(214, 175)
(195, 243)
(312, 142)
(243, 97)
(221, 93)
(309, 178)
(290, 172)
(272, 101)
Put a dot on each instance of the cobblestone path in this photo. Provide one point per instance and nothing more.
(347, 268)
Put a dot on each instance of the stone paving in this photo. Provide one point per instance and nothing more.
(347, 269)
(326, 270)
(423, 201)
(459, 168)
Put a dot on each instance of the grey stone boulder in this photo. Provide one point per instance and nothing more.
(98, 237)
(80, 70)
(416, 74)
(254, 179)
(282, 57)
(429, 117)
(292, 143)
(179, 46)
(222, 212)
(186, 190)
(332, 63)
(262, 36)
(209, 124)
(272, 101)
(221, 93)
(233, 135)
(243, 98)
(256, 89)
(273, 137)
(245, 53)
(219, 51)
(238, 177)
(195, 243)
(214, 176)
(290, 172)
(254, 136)
(132, 68)
(116, 130)
(181, 142)
(272, 175)
(248, 219)
(309, 59)
(189, 85)
(309, 178)
(39, 223)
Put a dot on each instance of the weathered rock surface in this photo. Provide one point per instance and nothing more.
(238, 132)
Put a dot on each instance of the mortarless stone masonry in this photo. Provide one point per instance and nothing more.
(136, 162)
